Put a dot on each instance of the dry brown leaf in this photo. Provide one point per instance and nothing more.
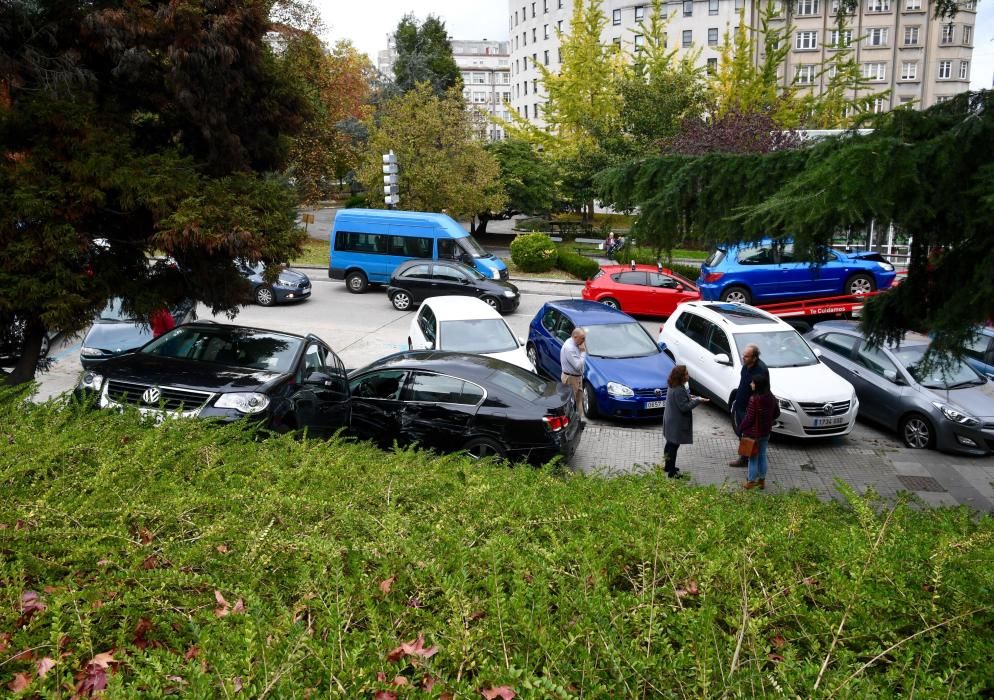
(415, 648)
(692, 588)
(776, 658)
(192, 653)
(501, 692)
(222, 608)
(239, 608)
(385, 584)
(20, 682)
(145, 535)
(44, 665)
(237, 683)
(222, 548)
(778, 641)
(385, 695)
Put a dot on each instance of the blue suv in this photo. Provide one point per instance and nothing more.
(768, 271)
(626, 371)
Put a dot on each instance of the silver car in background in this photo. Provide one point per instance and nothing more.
(947, 406)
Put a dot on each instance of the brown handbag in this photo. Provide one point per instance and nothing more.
(748, 447)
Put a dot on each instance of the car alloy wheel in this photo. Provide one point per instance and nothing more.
(401, 301)
(481, 448)
(356, 282)
(492, 303)
(589, 401)
(612, 303)
(916, 431)
(264, 296)
(736, 295)
(860, 284)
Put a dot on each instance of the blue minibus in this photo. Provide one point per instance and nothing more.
(366, 245)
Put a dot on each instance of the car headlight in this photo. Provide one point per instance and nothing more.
(243, 402)
(91, 381)
(93, 352)
(286, 283)
(509, 294)
(954, 415)
(496, 274)
(786, 405)
(620, 390)
(886, 266)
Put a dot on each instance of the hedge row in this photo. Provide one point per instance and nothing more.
(578, 265)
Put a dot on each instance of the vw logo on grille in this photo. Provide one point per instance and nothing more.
(828, 409)
(659, 392)
(152, 395)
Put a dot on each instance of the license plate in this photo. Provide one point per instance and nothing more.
(821, 422)
(655, 404)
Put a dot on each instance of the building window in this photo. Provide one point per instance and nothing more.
(909, 70)
(912, 5)
(559, 55)
(526, 111)
(911, 36)
(688, 38)
(545, 57)
(840, 39)
(713, 36)
(804, 74)
(945, 70)
(559, 26)
(948, 33)
(941, 98)
(776, 9)
(875, 72)
(535, 109)
(524, 38)
(560, 4)
(534, 34)
(616, 41)
(533, 9)
(545, 31)
(639, 42)
(967, 34)
(877, 36)
(525, 86)
(878, 105)
(688, 8)
(739, 4)
(964, 70)
(712, 7)
(535, 86)
(545, 7)
(665, 40)
(806, 40)
(616, 18)
(640, 13)
(524, 61)
(712, 66)
(878, 5)
(515, 18)
(806, 7)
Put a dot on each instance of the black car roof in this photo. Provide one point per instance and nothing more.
(468, 365)
(231, 326)
(428, 261)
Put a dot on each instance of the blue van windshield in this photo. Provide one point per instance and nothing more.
(470, 245)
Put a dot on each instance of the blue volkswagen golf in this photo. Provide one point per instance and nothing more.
(626, 372)
(768, 271)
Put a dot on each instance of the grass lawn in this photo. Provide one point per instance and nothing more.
(315, 254)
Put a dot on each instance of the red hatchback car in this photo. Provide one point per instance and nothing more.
(640, 289)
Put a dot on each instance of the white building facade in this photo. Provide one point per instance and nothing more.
(900, 44)
(486, 77)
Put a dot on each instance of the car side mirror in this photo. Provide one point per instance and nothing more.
(723, 359)
(661, 344)
(817, 352)
(465, 281)
(679, 288)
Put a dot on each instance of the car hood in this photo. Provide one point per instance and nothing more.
(117, 337)
(634, 372)
(187, 374)
(977, 401)
(516, 357)
(810, 384)
(293, 276)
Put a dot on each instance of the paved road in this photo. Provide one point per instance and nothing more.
(362, 328)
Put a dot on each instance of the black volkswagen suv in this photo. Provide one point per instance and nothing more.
(225, 372)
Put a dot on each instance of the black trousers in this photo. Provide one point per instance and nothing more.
(669, 456)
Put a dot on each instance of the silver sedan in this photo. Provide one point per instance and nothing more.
(944, 404)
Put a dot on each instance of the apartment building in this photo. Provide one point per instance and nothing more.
(900, 45)
(485, 66)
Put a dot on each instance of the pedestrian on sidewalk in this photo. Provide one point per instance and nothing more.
(757, 424)
(161, 321)
(678, 418)
(752, 366)
(572, 359)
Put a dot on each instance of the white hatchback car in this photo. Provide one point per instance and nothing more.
(466, 324)
(709, 338)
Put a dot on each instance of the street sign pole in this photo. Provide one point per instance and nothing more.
(391, 190)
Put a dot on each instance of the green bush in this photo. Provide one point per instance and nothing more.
(691, 272)
(205, 561)
(532, 223)
(357, 201)
(533, 252)
(578, 265)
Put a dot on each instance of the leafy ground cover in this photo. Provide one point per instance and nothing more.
(315, 254)
(194, 561)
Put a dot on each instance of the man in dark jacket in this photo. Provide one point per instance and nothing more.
(751, 366)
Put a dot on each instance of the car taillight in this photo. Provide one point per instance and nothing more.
(556, 423)
(713, 276)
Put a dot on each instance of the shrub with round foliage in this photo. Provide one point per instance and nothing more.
(533, 252)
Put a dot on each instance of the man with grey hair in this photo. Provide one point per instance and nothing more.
(572, 358)
(751, 367)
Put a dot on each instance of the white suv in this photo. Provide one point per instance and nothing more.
(709, 338)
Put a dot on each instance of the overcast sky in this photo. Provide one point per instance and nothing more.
(367, 22)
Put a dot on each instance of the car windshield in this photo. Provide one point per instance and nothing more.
(618, 340)
(778, 348)
(114, 312)
(941, 372)
(517, 381)
(472, 272)
(470, 245)
(478, 335)
(238, 347)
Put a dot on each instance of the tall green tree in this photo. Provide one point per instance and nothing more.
(527, 178)
(424, 54)
(442, 164)
(930, 173)
(150, 126)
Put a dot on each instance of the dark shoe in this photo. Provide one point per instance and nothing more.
(750, 485)
(762, 484)
(739, 463)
